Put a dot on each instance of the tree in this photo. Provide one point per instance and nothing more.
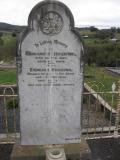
(118, 30)
(1, 42)
(103, 34)
(93, 29)
(91, 54)
(1, 34)
(113, 29)
(14, 34)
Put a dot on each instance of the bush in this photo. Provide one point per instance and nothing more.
(103, 34)
(12, 103)
(93, 29)
(1, 34)
(1, 42)
(14, 34)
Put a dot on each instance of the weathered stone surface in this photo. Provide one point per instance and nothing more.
(73, 151)
(50, 77)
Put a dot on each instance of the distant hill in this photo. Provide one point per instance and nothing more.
(5, 27)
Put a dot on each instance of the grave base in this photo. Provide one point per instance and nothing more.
(73, 152)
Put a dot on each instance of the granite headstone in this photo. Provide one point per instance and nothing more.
(50, 76)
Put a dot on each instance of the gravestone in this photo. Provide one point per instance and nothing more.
(50, 76)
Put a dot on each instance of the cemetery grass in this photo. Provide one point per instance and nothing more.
(100, 80)
(8, 76)
(101, 77)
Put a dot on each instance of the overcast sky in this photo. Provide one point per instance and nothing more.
(99, 13)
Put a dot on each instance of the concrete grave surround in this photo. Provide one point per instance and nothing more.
(50, 77)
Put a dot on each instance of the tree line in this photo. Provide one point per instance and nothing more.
(100, 49)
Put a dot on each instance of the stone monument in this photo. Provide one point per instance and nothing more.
(50, 82)
(50, 76)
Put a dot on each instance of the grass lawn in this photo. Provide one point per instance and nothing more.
(101, 81)
(8, 76)
(100, 77)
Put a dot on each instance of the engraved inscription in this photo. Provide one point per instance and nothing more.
(51, 70)
(51, 23)
(55, 42)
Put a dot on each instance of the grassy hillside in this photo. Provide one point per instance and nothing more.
(8, 35)
(7, 47)
(10, 28)
(7, 76)
(99, 76)
(100, 48)
(101, 81)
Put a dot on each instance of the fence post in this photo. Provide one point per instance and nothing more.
(117, 120)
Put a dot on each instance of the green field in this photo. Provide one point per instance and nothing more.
(99, 76)
(101, 81)
(7, 76)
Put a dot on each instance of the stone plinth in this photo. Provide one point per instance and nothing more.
(73, 151)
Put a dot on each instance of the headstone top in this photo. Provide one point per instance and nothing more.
(49, 13)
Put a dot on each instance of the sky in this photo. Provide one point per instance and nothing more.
(99, 13)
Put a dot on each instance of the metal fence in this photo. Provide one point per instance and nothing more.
(100, 113)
